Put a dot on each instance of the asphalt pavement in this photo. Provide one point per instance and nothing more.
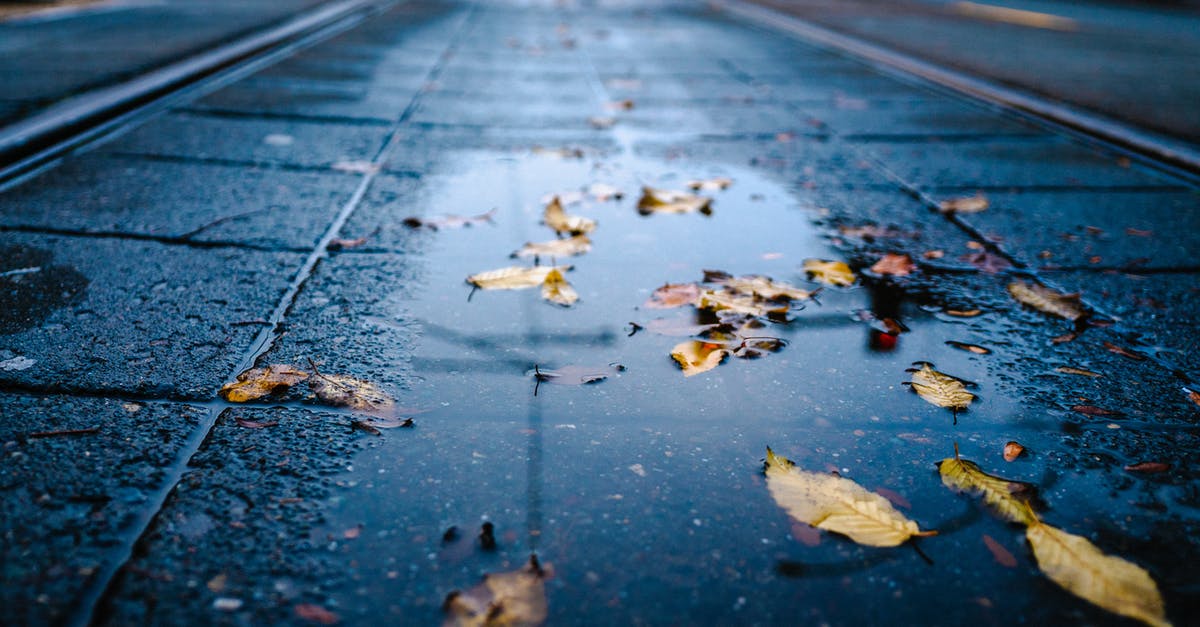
(324, 212)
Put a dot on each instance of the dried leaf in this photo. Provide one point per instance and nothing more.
(759, 286)
(829, 272)
(837, 504)
(968, 204)
(346, 244)
(729, 301)
(556, 289)
(695, 357)
(316, 614)
(344, 391)
(1046, 300)
(893, 264)
(604, 192)
(513, 278)
(450, 221)
(257, 383)
(251, 424)
(673, 295)
(557, 219)
(1003, 556)
(1078, 371)
(963, 313)
(1192, 395)
(1092, 410)
(670, 201)
(1124, 352)
(710, 185)
(511, 599)
(1012, 450)
(1107, 581)
(940, 389)
(970, 348)
(568, 247)
(1148, 467)
(1009, 499)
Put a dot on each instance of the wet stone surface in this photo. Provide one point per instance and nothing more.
(77, 473)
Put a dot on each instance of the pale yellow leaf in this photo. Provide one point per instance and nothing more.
(562, 222)
(673, 295)
(1110, 582)
(940, 389)
(710, 185)
(511, 599)
(837, 504)
(576, 245)
(556, 289)
(968, 204)
(726, 300)
(513, 278)
(695, 356)
(344, 391)
(257, 383)
(757, 285)
(829, 272)
(604, 192)
(671, 201)
(1007, 498)
(1046, 300)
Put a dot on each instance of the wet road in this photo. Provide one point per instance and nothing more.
(265, 223)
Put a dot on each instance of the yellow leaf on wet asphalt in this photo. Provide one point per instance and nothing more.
(829, 272)
(695, 356)
(837, 504)
(511, 599)
(967, 204)
(1107, 581)
(671, 201)
(940, 389)
(562, 222)
(1046, 300)
(556, 289)
(1007, 498)
(344, 391)
(257, 383)
(571, 246)
(710, 185)
(513, 278)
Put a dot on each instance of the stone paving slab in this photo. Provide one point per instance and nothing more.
(338, 101)
(259, 207)
(69, 499)
(856, 117)
(140, 318)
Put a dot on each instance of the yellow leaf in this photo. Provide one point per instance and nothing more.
(670, 201)
(829, 272)
(1107, 581)
(968, 204)
(940, 389)
(343, 391)
(1007, 498)
(256, 383)
(513, 278)
(695, 356)
(725, 300)
(710, 185)
(760, 286)
(561, 222)
(556, 289)
(673, 295)
(511, 599)
(837, 504)
(571, 246)
(1048, 301)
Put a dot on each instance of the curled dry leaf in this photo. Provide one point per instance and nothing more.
(569, 247)
(1079, 371)
(837, 504)
(257, 383)
(1082, 569)
(556, 289)
(671, 201)
(559, 220)
(673, 295)
(729, 301)
(829, 272)
(967, 204)
(516, 598)
(1013, 450)
(1124, 352)
(1009, 499)
(758, 286)
(710, 185)
(970, 348)
(894, 264)
(604, 192)
(695, 357)
(513, 278)
(1046, 300)
(940, 389)
(344, 391)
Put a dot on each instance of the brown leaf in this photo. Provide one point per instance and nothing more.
(970, 348)
(1013, 450)
(673, 295)
(250, 424)
(559, 220)
(963, 313)
(1148, 467)
(1069, 336)
(345, 244)
(1092, 410)
(1078, 371)
(511, 599)
(933, 254)
(1048, 301)
(1192, 395)
(695, 357)
(986, 262)
(1124, 352)
(257, 383)
(968, 204)
(894, 264)
(316, 614)
(1003, 556)
(671, 201)
(829, 272)
(344, 391)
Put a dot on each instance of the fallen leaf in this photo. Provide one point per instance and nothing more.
(602, 122)
(559, 153)
(364, 426)
(1092, 410)
(516, 598)
(604, 192)
(1192, 395)
(963, 313)
(251, 424)
(513, 278)
(1148, 467)
(315, 613)
(970, 348)
(450, 221)
(1069, 336)
(986, 262)
(893, 264)
(829, 272)
(710, 185)
(1012, 450)
(1109, 582)
(1003, 556)
(345, 244)
(872, 232)
(1138, 232)
(968, 204)
(695, 357)
(733, 302)
(1009, 499)
(671, 201)
(1047, 301)
(673, 295)
(837, 504)
(1078, 371)
(575, 375)
(562, 222)
(757, 285)
(257, 383)
(933, 254)
(352, 532)
(1124, 352)
(217, 584)
(569, 247)
(940, 389)
(344, 391)
(621, 105)
(556, 289)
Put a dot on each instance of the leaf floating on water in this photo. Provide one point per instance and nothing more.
(1009, 499)
(338, 390)
(894, 264)
(257, 383)
(1046, 300)
(604, 192)
(758, 286)
(511, 599)
(829, 272)
(569, 247)
(559, 153)
(1003, 556)
(710, 185)
(732, 302)
(963, 313)
(513, 278)
(575, 375)
(940, 389)
(1082, 569)
(673, 295)
(970, 348)
(670, 201)
(562, 222)
(556, 289)
(450, 221)
(695, 357)
(1013, 450)
(967, 204)
(837, 504)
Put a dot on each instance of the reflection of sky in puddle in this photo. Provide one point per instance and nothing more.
(644, 490)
